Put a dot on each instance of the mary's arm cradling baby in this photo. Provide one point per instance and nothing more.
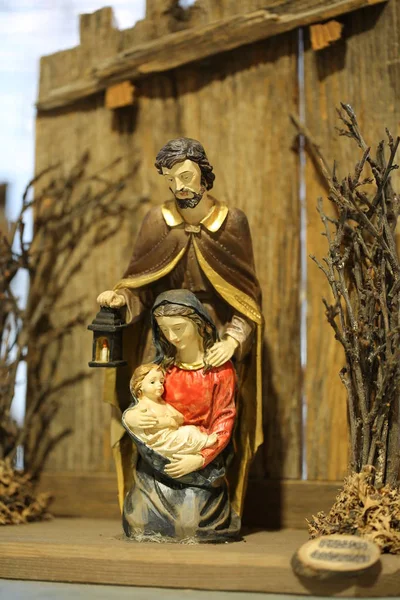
(140, 417)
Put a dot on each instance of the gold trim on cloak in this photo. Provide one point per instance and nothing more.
(215, 217)
(212, 221)
(237, 299)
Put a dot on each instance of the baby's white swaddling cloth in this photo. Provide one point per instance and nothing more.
(186, 439)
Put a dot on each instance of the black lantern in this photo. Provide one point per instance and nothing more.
(107, 338)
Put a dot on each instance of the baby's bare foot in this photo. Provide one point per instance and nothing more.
(212, 439)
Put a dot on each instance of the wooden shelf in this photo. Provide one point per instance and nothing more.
(93, 551)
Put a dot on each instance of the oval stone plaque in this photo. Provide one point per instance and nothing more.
(335, 554)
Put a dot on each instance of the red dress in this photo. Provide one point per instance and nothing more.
(206, 400)
(197, 505)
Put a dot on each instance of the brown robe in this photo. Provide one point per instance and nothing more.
(215, 261)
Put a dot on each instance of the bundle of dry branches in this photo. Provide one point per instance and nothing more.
(362, 509)
(363, 270)
(72, 215)
(18, 501)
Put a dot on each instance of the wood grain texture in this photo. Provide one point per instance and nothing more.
(335, 556)
(64, 138)
(270, 504)
(191, 44)
(92, 551)
(238, 104)
(362, 69)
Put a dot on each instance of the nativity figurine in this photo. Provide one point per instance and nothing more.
(196, 243)
(164, 430)
(181, 422)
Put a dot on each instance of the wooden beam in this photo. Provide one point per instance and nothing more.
(270, 504)
(193, 44)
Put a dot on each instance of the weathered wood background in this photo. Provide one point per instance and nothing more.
(362, 69)
(238, 102)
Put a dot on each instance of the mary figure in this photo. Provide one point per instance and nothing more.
(185, 497)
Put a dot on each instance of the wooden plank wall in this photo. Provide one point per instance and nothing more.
(362, 69)
(238, 105)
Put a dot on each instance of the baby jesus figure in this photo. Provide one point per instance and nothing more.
(164, 431)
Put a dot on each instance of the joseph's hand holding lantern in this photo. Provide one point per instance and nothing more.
(107, 338)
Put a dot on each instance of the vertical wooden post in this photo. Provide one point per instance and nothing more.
(156, 8)
(161, 14)
(98, 34)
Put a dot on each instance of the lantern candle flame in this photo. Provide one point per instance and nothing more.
(107, 330)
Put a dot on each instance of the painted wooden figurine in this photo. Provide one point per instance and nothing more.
(165, 431)
(181, 422)
(196, 243)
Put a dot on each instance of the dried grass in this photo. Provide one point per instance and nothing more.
(18, 501)
(365, 510)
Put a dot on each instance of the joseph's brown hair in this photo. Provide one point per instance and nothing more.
(182, 149)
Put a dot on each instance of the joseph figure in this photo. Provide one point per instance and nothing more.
(197, 243)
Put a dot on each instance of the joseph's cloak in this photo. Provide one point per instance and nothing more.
(223, 249)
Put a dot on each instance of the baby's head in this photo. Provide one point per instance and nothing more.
(148, 380)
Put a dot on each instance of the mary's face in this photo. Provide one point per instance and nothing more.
(181, 332)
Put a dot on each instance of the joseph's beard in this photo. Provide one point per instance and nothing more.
(190, 202)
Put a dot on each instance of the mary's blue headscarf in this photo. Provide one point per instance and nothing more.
(182, 298)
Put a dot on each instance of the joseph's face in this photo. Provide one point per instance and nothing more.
(183, 179)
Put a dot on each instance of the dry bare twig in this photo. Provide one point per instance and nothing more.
(363, 270)
(73, 213)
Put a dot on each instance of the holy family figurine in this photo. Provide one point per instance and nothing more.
(187, 410)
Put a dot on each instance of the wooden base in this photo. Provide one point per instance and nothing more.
(93, 551)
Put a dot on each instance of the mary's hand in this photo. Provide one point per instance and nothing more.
(221, 351)
(139, 418)
(183, 464)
